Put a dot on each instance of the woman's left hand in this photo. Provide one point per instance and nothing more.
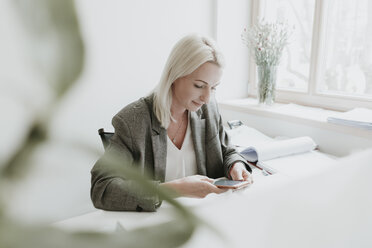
(238, 172)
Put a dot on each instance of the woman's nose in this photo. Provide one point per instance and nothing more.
(206, 95)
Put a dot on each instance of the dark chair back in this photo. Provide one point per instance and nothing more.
(105, 137)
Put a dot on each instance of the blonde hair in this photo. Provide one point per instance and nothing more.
(186, 56)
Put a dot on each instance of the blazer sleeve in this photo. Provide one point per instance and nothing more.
(230, 155)
(110, 190)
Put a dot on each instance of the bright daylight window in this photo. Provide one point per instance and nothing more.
(347, 67)
(329, 57)
(294, 68)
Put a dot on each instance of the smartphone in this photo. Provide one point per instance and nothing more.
(230, 184)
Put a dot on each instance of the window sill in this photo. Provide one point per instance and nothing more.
(316, 117)
(296, 120)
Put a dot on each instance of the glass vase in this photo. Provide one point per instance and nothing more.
(266, 84)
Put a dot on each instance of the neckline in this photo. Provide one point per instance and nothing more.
(185, 140)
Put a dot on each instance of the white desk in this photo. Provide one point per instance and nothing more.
(106, 221)
(210, 208)
(326, 209)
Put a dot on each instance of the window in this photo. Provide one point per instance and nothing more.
(328, 62)
(347, 63)
(295, 63)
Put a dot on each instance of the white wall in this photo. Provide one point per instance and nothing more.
(232, 18)
(127, 45)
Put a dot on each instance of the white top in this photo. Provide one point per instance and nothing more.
(180, 162)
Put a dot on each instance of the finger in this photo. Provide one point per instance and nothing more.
(246, 175)
(211, 188)
(220, 190)
(215, 189)
(250, 178)
(239, 175)
(207, 179)
(236, 174)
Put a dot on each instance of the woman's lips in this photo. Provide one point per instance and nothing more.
(197, 104)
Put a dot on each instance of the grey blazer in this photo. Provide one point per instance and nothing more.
(142, 141)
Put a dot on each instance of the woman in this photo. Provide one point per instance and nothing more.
(176, 133)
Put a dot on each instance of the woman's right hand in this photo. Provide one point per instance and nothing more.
(193, 186)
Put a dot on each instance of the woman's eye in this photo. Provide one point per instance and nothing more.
(198, 86)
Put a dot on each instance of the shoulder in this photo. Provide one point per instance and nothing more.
(139, 107)
(136, 112)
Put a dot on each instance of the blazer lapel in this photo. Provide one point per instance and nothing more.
(159, 148)
(159, 142)
(198, 137)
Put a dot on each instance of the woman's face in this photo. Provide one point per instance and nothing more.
(192, 91)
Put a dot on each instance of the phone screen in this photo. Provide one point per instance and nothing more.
(225, 183)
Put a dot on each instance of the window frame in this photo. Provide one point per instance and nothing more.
(311, 97)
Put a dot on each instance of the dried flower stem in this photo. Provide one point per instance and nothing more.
(266, 41)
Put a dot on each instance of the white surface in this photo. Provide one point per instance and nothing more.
(303, 164)
(357, 117)
(289, 156)
(244, 136)
(55, 187)
(278, 148)
(330, 208)
(106, 221)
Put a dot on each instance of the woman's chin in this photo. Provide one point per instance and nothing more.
(194, 108)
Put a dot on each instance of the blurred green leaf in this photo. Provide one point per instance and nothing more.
(57, 51)
(17, 164)
(54, 37)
